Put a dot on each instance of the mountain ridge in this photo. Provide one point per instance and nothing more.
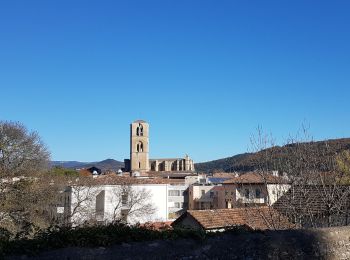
(323, 151)
(104, 165)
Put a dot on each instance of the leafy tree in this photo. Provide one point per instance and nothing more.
(60, 171)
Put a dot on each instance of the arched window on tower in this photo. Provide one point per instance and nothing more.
(139, 147)
(139, 130)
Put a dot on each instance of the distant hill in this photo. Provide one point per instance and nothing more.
(322, 151)
(108, 164)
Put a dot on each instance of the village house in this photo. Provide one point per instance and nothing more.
(230, 191)
(254, 218)
(206, 196)
(147, 189)
(316, 205)
(135, 200)
(254, 188)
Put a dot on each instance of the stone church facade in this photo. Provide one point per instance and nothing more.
(139, 154)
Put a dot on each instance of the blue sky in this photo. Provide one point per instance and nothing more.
(204, 74)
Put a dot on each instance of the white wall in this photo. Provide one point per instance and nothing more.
(275, 191)
(158, 199)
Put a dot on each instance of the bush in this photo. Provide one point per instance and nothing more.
(90, 236)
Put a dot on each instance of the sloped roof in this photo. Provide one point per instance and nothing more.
(260, 218)
(256, 178)
(112, 179)
(217, 180)
(223, 175)
(311, 199)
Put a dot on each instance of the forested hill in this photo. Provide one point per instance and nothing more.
(321, 152)
(108, 164)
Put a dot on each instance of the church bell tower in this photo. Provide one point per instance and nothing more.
(139, 146)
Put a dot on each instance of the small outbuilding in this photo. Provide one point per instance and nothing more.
(254, 218)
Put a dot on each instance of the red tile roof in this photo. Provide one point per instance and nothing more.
(223, 175)
(113, 179)
(256, 178)
(261, 218)
(158, 225)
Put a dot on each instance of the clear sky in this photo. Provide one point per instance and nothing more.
(204, 74)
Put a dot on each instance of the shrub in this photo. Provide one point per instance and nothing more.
(90, 236)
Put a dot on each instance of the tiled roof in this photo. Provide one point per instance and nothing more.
(158, 225)
(223, 175)
(261, 218)
(311, 199)
(255, 178)
(217, 180)
(112, 179)
(165, 174)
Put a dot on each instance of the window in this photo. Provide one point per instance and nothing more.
(124, 215)
(203, 192)
(257, 193)
(100, 206)
(139, 165)
(139, 147)
(174, 193)
(139, 130)
(176, 204)
(124, 199)
(211, 194)
(246, 193)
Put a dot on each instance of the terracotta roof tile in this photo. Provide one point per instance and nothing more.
(261, 218)
(158, 225)
(254, 177)
(112, 179)
(310, 199)
(223, 175)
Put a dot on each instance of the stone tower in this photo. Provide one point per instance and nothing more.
(139, 146)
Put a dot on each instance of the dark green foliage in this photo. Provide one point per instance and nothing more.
(90, 236)
(57, 170)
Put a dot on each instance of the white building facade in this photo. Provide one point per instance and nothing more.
(136, 203)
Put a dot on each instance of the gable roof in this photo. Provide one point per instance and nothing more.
(223, 175)
(217, 180)
(312, 199)
(261, 218)
(255, 178)
(112, 179)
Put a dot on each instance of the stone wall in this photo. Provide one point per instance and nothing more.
(327, 243)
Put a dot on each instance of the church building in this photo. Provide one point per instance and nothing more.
(139, 154)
